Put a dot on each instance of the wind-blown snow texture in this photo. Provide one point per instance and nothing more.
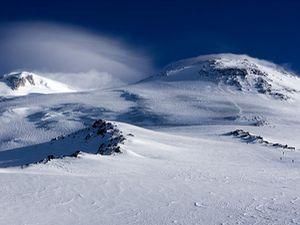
(209, 140)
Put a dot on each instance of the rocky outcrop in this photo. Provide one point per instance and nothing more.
(111, 137)
(239, 72)
(250, 77)
(15, 81)
(247, 137)
(102, 138)
(24, 83)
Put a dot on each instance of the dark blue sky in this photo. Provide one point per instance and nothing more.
(172, 30)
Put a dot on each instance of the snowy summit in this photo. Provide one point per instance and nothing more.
(240, 72)
(23, 83)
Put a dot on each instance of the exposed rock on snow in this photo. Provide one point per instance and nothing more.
(16, 81)
(255, 120)
(102, 138)
(111, 136)
(23, 83)
(237, 71)
(251, 138)
(51, 157)
(108, 136)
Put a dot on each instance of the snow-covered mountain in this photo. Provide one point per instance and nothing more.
(209, 140)
(23, 83)
(215, 89)
(240, 72)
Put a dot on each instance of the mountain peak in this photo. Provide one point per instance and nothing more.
(23, 83)
(240, 72)
(17, 80)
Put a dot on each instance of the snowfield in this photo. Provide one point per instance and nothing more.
(210, 140)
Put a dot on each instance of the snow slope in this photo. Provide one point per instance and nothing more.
(217, 89)
(160, 178)
(213, 140)
(23, 83)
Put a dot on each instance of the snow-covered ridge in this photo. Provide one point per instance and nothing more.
(102, 138)
(241, 72)
(23, 83)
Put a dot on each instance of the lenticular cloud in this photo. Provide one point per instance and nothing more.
(70, 54)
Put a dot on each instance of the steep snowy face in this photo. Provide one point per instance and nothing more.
(23, 83)
(238, 72)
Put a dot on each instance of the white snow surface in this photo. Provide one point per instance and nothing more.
(179, 166)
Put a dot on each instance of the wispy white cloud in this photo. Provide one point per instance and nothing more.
(70, 54)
